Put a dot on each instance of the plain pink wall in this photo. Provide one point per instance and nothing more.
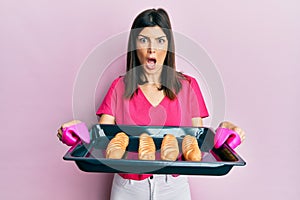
(255, 45)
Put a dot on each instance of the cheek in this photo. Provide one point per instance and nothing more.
(141, 54)
(161, 56)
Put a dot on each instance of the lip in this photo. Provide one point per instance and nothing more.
(151, 63)
(151, 59)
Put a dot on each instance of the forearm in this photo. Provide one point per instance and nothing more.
(197, 122)
(107, 119)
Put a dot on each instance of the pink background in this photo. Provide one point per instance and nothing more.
(255, 45)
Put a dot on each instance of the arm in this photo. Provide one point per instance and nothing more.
(197, 122)
(197, 107)
(107, 119)
(107, 109)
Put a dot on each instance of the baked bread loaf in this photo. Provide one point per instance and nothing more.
(169, 148)
(146, 147)
(117, 146)
(190, 148)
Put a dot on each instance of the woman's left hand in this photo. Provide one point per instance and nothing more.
(235, 128)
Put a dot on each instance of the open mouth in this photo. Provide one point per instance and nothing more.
(151, 63)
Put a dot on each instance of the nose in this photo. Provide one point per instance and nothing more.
(151, 50)
(152, 47)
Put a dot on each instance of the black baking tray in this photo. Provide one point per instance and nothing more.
(91, 157)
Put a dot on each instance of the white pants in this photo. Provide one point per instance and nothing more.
(160, 187)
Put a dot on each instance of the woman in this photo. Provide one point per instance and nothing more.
(153, 93)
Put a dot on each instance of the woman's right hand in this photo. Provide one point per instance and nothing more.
(65, 125)
(71, 132)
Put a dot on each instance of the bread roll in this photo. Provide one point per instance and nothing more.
(190, 148)
(169, 148)
(146, 147)
(117, 146)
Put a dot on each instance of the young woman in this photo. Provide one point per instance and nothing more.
(153, 93)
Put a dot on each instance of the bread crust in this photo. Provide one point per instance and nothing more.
(190, 148)
(169, 148)
(146, 147)
(117, 146)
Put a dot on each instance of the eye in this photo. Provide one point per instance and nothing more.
(143, 40)
(161, 41)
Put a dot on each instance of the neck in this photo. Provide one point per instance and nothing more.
(153, 78)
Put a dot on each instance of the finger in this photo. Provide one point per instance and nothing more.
(227, 124)
(238, 130)
(70, 123)
(59, 133)
(243, 138)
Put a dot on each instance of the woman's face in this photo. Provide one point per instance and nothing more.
(152, 46)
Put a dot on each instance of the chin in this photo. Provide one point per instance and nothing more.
(156, 69)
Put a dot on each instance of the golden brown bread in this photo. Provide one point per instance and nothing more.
(117, 146)
(169, 148)
(146, 147)
(190, 148)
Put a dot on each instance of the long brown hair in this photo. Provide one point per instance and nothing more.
(170, 78)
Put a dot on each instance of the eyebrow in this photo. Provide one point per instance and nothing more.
(155, 38)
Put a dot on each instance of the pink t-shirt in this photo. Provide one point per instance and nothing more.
(139, 111)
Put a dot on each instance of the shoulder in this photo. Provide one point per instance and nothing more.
(117, 86)
(188, 80)
(118, 82)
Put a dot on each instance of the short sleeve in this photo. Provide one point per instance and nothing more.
(108, 105)
(198, 107)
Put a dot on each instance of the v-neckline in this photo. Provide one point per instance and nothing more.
(144, 96)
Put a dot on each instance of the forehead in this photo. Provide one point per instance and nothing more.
(154, 32)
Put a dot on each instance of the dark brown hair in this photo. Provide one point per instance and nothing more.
(170, 78)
